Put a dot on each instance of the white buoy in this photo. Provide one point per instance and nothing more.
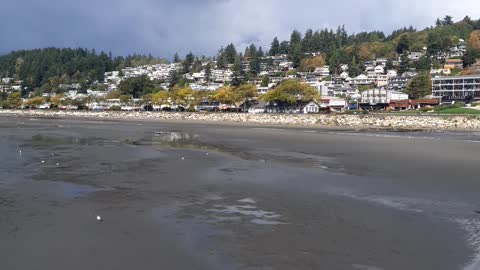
(99, 218)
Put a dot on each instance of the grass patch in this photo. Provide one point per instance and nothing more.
(460, 111)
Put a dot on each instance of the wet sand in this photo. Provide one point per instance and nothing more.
(211, 196)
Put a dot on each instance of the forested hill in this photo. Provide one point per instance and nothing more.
(47, 68)
(338, 47)
(51, 66)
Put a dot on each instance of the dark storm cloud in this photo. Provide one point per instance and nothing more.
(163, 27)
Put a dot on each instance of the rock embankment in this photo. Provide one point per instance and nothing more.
(387, 121)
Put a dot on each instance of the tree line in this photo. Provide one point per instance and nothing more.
(46, 69)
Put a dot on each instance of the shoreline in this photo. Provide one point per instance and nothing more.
(316, 121)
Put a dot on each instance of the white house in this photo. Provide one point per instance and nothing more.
(323, 71)
(382, 96)
(392, 73)
(379, 70)
(344, 75)
(311, 107)
(361, 79)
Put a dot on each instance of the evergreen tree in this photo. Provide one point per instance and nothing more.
(295, 41)
(275, 47)
(265, 81)
(260, 52)
(307, 42)
(208, 72)
(237, 72)
(252, 50)
(424, 63)
(176, 58)
(284, 47)
(246, 54)
(353, 69)
(230, 53)
(403, 44)
(448, 20)
(404, 64)
(188, 62)
(296, 55)
(254, 66)
(419, 86)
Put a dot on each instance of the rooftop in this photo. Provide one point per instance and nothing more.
(457, 77)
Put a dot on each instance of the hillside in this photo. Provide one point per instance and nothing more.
(45, 69)
(49, 67)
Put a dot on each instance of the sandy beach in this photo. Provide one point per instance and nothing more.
(198, 195)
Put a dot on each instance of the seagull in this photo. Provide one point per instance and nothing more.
(99, 219)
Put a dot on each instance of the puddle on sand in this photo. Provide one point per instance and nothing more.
(41, 139)
(247, 210)
(196, 238)
(74, 191)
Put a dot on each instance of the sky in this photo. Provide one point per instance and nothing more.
(163, 27)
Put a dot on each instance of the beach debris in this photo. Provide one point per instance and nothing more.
(99, 219)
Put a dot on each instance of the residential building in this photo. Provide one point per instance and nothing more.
(453, 64)
(440, 71)
(392, 73)
(398, 83)
(381, 96)
(311, 107)
(413, 104)
(415, 56)
(379, 70)
(464, 88)
(361, 79)
(5, 88)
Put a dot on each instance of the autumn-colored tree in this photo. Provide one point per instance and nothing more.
(183, 95)
(56, 100)
(290, 92)
(113, 94)
(243, 93)
(125, 99)
(14, 100)
(310, 64)
(225, 95)
(35, 102)
(364, 52)
(160, 97)
(474, 40)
